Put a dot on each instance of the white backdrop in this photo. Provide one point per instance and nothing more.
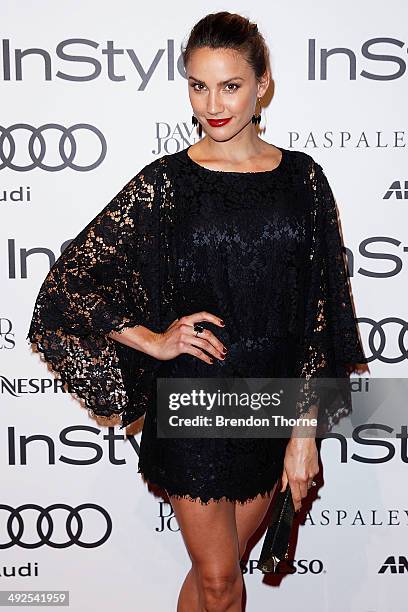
(133, 106)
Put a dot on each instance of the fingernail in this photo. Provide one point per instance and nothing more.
(222, 322)
(211, 360)
(224, 349)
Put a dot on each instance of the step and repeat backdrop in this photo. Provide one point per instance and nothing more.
(90, 93)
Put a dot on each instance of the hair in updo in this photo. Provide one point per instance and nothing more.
(226, 30)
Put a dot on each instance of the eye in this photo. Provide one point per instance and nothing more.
(199, 85)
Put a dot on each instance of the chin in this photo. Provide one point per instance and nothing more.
(221, 138)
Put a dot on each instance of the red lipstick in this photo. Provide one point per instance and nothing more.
(218, 122)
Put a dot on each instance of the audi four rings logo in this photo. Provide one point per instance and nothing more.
(44, 515)
(377, 328)
(39, 144)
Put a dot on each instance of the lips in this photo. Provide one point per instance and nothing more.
(218, 122)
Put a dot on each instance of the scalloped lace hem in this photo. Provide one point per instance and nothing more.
(206, 500)
(78, 393)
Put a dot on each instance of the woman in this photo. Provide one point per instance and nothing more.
(236, 234)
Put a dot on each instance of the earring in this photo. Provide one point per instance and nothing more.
(195, 121)
(257, 118)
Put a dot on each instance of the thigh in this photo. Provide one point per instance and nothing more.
(210, 534)
(248, 517)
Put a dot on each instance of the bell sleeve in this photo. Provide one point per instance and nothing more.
(332, 347)
(105, 280)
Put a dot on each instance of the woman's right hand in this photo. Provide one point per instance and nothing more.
(180, 337)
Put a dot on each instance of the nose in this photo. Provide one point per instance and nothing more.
(214, 104)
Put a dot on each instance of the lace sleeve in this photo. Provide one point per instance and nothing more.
(105, 280)
(332, 347)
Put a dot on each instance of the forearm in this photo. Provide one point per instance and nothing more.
(139, 338)
(307, 430)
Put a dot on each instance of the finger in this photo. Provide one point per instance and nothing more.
(309, 484)
(284, 481)
(312, 479)
(203, 315)
(207, 346)
(296, 496)
(186, 347)
(207, 341)
(303, 489)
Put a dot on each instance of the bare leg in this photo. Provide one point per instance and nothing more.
(188, 599)
(249, 516)
(209, 532)
(216, 536)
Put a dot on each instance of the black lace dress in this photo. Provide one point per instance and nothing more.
(261, 250)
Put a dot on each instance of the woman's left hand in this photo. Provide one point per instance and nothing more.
(300, 467)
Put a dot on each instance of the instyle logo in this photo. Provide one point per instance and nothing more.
(109, 442)
(74, 445)
(373, 249)
(373, 52)
(379, 249)
(82, 525)
(86, 60)
(18, 261)
(51, 147)
(386, 448)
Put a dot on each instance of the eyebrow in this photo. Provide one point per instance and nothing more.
(221, 82)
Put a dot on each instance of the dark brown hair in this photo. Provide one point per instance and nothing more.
(226, 30)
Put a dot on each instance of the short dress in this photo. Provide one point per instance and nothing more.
(261, 250)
